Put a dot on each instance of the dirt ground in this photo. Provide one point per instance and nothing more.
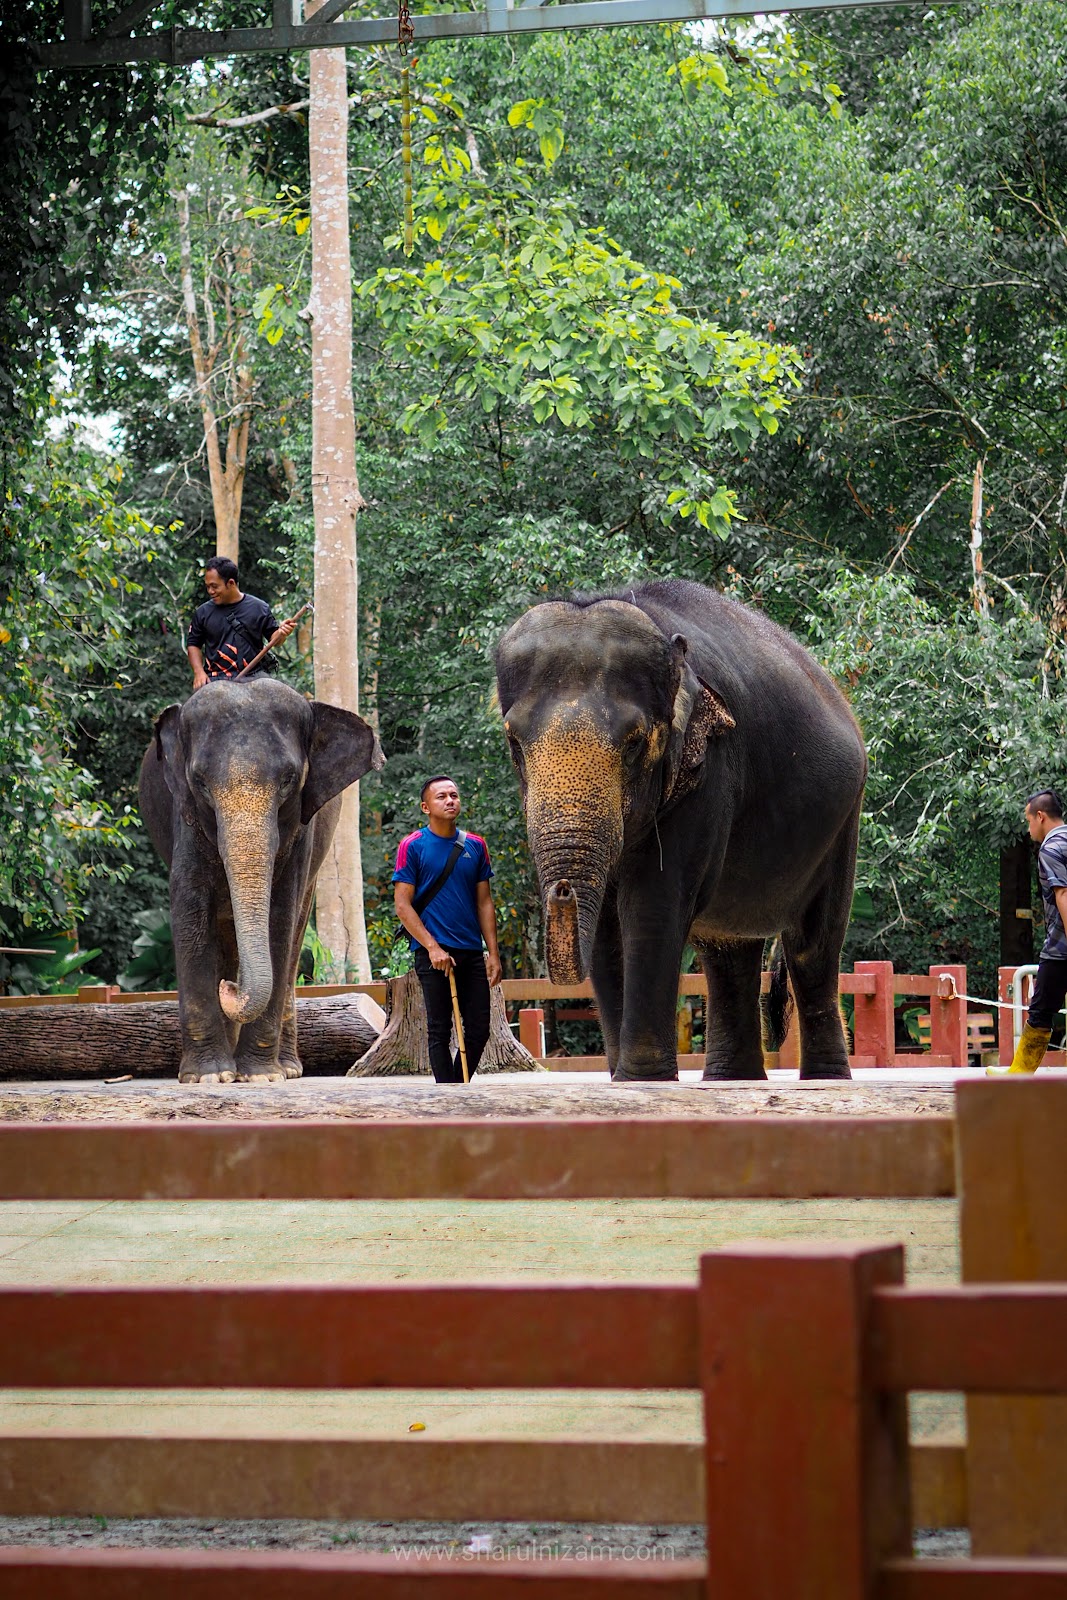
(522, 1095)
(460, 1540)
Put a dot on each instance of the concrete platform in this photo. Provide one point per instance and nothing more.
(881, 1092)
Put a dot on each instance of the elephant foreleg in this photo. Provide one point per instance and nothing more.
(813, 956)
(734, 1050)
(288, 1053)
(606, 973)
(207, 1048)
(226, 966)
(654, 927)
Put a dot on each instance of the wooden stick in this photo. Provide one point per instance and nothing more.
(459, 1024)
(274, 639)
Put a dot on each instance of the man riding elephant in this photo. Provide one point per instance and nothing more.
(229, 630)
(240, 792)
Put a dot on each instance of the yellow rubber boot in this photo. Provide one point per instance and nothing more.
(1029, 1053)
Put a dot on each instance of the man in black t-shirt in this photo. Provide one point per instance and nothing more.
(230, 628)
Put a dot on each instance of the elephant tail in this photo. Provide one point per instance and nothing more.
(776, 1007)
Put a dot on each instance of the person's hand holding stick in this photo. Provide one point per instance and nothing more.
(276, 638)
(458, 1018)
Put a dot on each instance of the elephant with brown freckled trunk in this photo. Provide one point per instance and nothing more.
(240, 794)
(689, 774)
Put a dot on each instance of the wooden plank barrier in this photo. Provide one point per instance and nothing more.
(1013, 1228)
(55, 1474)
(820, 1413)
(31, 1574)
(804, 1355)
(874, 985)
(507, 1158)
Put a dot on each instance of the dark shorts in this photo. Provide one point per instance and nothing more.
(1050, 991)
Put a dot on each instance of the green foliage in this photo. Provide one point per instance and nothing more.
(525, 307)
(316, 961)
(963, 717)
(152, 964)
(767, 63)
(79, 163)
(543, 120)
(51, 974)
(68, 559)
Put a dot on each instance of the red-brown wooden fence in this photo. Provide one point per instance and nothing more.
(804, 1355)
(958, 1030)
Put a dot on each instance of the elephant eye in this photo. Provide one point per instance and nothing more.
(516, 754)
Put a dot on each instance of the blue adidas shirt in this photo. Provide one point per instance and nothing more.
(452, 914)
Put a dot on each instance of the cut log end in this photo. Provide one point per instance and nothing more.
(403, 1049)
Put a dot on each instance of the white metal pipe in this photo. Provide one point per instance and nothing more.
(1017, 1001)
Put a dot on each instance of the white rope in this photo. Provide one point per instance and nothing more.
(977, 1000)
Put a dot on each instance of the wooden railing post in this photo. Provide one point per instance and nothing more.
(807, 1465)
(948, 1014)
(1012, 1176)
(1005, 1032)
(532, 1030)
(874, 1028)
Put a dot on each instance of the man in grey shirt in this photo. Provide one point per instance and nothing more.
(1044, 819)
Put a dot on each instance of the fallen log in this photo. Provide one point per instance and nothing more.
(143, 1038)
(402, 1048)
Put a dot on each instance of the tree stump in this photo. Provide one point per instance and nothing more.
(403, 1049)
(143, 1038)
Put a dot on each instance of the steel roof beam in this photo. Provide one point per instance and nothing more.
(128, 18)
(179, 45)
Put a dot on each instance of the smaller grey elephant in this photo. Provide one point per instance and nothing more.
(240, 792)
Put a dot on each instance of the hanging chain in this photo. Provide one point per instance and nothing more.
(405, 34)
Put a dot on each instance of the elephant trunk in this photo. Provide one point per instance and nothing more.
(573, 881)
(574, 819)
(248, 844)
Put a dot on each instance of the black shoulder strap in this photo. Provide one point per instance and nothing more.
(419, 905)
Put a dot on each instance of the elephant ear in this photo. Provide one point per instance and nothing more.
(167, 728)
(341, 749)
(699, 715)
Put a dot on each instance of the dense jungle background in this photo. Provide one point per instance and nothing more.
(778, 307)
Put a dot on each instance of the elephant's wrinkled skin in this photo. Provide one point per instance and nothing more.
(688, 773)
(240, 791)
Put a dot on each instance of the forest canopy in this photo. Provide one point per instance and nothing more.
(779, 307)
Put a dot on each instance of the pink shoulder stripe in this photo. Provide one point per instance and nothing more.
(476, 838)
(402, 852)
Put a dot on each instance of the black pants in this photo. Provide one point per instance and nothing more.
(1050, 991)
(472, 990)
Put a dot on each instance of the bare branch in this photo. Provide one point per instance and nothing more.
(929, 506)
(209, 119)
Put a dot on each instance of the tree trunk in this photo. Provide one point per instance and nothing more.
(226, 472)
(402, 1048)
(144, 1038)
(1016, 905)
(336, 500)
